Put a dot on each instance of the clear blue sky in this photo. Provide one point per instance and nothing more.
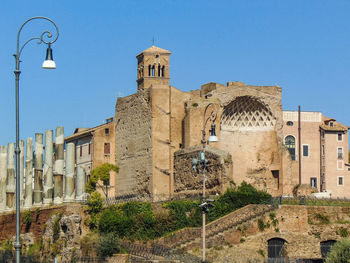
(302, 46)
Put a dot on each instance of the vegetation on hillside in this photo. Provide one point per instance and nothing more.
(138, 221)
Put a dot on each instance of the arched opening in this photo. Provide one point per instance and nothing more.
(275, 248)
(153, 68)
(159, 70)
(163, 71)
(326, 247)
(289, 142)
(149, 70)
(247, 113)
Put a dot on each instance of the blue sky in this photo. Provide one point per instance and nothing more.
(302, 46)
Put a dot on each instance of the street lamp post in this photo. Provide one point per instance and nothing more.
(201, 164)
(48, 64)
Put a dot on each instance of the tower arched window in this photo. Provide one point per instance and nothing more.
(289, 142)
(149, 70)
(163, 70)
(159, 70)
(153, 69)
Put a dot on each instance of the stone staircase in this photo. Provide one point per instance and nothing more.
(190, 237)
(173, 248)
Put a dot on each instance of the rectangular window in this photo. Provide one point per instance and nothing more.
(81, 150)
(340, 137)
(323, 149)
(313, 182)
(340, 180)
(107, 148)
(340, 153)
(322, 134)
(107, 131)
(89, 148)
(306, 150)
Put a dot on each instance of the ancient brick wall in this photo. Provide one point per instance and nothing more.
(188, 182)
(39, 219)
(133, 144)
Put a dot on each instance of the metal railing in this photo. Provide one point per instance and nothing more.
(310, 201)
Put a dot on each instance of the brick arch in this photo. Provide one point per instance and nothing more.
(275, 247)
(247, 113)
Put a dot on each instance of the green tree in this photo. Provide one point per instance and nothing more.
(340, 252)
(101, 174)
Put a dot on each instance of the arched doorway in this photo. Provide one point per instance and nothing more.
(275, 248)
(326, 246)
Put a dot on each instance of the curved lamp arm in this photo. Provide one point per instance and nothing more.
(44, 37)
(212, 117)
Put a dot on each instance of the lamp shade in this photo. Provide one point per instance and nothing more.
(49, 63)
(213, 137)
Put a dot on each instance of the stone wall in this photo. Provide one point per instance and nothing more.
(302, 227)
(133, 144)
(188, 182)
(40, 217)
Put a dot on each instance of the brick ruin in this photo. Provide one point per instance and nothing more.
(158, 127)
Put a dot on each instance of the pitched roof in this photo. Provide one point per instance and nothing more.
(154, 49)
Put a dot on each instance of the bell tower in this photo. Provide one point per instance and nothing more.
(152, 67)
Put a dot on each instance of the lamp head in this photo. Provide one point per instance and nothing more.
(49, 63)
(213, 137)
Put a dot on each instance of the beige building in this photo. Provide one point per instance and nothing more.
(94, 147)
(324, 151)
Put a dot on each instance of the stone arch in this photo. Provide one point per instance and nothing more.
(247, 113)
(326, 247)
(276, 247)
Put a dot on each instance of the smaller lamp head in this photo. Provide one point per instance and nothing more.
(213, 137)
(49, 63)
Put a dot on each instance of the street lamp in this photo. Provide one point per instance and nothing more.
(48, 64)
(201, 164)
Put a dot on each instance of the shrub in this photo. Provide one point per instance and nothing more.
(6, 245)
(340, 252)
(261, 224)
(343, 232)
(27, 219)
(56, 227)
(237, 197)
(185, 213)
(94, 203)
(88, 244)
(324, 220)
(107, 245)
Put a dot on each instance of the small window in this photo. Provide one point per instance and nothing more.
(290, 123)
(323, 151)
(340, 180)
(107, 148)
(340, 153)
(89, 148)
(306, 150)
(313, 182)
(340, 137)
(107, 131)
(322, 134)
(331, 124)
(81, 150)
